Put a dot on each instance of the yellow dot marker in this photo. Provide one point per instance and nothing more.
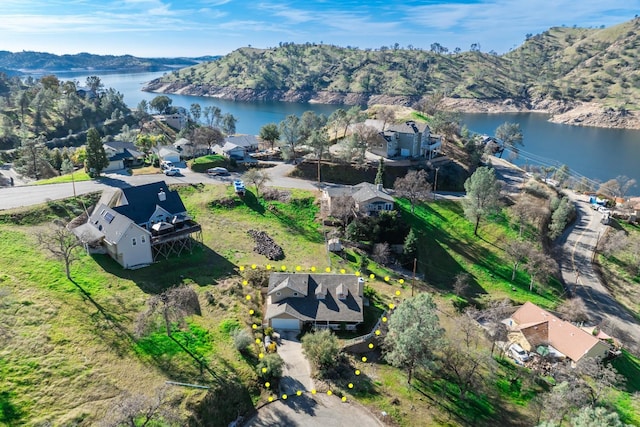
(254, 326)
(313, 391)
(401, 281)
(284, 397)
(344, 398)
(384, 319)
(267, 384)
(328, 269)
(251, 312)
(245, 282)
(268, 266)
(298, 393)
(258, 340)
(253, 266)
(283, 268)
(398, 293)
(270, 398)
(364, 359)
(357, 372)
(392, 306)
(329, 392)
(261, 355)
(264, 370)
(350, 385)
(386, 278)
(313, 269)
(342, 271)
(248, 297)
(242, 268)
(298, 268)
(357, 274)
(372, 276)
(370, 345)
(378, 332)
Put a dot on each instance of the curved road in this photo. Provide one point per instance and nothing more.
(578, 245)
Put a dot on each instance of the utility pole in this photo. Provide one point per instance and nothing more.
(413, 280)
(435, 184)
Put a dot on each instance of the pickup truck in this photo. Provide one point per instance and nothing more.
(238, 186)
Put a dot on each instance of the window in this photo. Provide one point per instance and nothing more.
(133, 241)
(388, 207)
(278, 293)
(295, 294)
(143, 239)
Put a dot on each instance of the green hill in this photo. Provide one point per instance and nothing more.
(561, 64)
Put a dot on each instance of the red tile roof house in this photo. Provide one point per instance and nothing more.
(320, 300)
(531, 326)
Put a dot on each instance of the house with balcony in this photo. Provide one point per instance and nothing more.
(405, 140)
(145, 224)
(122, 155)
(370, 199)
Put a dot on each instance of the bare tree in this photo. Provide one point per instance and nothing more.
(207, 136)
(62, 244)
(413, 186)
(381, 253)
(174, 305)
(618, 187)
(461, 283)
(526, 208)
(573, 310)
(387, 115)
(493, 316)
(517, 251)
(539, 266)
(258, 177)
(137, 410)
(343, 208)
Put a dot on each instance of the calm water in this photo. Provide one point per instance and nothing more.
(599, 154)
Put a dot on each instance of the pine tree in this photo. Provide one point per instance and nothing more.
(97, 159)
(380, 173)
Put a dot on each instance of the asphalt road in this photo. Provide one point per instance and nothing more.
(578, 244)
(27, 195)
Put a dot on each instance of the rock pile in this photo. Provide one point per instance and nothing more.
(266, 246)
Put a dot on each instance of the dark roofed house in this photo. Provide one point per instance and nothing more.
(149, 222)
(122, 155)
(369, 198)
(322, 300)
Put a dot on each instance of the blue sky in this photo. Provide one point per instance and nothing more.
(212, 27)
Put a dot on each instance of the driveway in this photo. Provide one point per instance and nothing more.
(311, 410)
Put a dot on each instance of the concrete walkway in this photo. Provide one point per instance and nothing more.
(297, 371)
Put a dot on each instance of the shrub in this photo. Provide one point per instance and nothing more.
(229, 325)
(321, 348)
(273, 364)
(242, 339)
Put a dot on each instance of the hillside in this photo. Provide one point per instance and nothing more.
(590, 72)
(48, 62)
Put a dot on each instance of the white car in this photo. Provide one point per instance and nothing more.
(518, 353)
(172, 172)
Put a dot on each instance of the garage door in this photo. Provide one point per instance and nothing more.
(286, 324)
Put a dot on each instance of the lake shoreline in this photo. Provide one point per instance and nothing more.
(573, 113)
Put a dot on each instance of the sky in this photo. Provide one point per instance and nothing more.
(162, 28)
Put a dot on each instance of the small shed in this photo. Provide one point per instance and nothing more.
(335, 245)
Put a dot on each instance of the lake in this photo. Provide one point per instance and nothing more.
(596, 153)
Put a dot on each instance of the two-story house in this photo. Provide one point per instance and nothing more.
(122, 155)
(408, 139)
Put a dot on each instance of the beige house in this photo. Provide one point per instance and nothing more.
(531, 326)
(322, 300)
(369, 198)
(404, 140)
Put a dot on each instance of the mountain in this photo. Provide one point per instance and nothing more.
(46, 62)
(556, 71)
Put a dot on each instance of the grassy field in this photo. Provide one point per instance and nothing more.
(77, 176)
(71, 350)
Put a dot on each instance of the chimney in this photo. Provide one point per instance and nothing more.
(379, 187)
(162, 195)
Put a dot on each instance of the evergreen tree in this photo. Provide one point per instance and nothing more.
(380, 173)
(96, 160)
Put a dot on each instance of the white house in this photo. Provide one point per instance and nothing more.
(322, 300)
(121, 155)
(168, 153)
(149, 222)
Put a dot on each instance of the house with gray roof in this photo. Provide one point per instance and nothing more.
(122, 155)
(321, 300)
(146, 223)
(404, 140)
(370, 199)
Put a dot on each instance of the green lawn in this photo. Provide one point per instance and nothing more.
(77, 176)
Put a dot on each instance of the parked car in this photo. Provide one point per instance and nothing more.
(172, 172)
(238, 186)
(217, 172)
(518, 353)
(164, 165)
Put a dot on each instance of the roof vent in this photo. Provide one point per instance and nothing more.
(162, 195)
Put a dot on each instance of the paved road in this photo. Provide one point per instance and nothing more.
(578, 245)
(27, 195)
